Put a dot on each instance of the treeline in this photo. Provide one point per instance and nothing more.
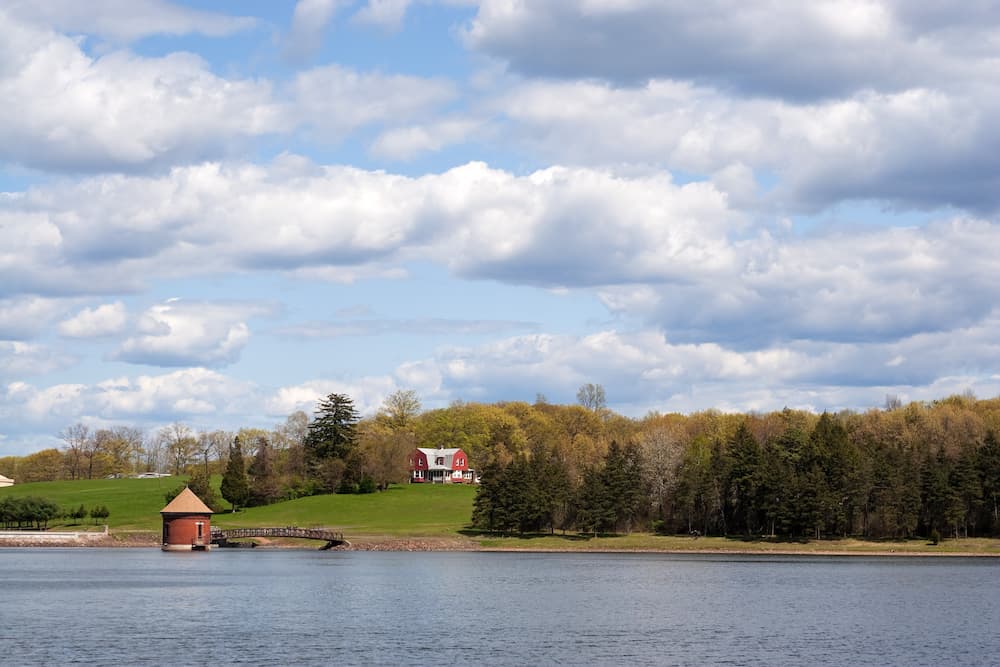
(923, 469)
(27, 512)
(892, 472)
(34, 513)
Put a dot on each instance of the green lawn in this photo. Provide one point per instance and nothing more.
(417, 509)
(135, 504)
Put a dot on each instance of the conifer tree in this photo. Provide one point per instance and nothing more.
(235, 485)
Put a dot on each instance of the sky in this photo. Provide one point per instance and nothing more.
(215, 213)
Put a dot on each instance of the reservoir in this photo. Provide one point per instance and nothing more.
(280, 607)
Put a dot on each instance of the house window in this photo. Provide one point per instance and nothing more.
(439, 461)
(418, 474)
(460, 462)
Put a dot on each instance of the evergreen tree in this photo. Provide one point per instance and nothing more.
(593, 511)
(989, 475)
(488, 511)
(332, 433)
(332, 436)
(622, 481)
(264, 487)
(744, 457)
(967, 490)
(235, 484)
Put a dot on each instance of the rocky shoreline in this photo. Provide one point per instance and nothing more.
(455, 544)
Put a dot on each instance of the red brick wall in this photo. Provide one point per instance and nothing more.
(182, 530)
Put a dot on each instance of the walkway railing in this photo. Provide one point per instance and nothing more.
(221, 536)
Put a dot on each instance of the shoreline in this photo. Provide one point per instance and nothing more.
(458, 544)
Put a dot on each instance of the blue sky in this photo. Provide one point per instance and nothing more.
(214, 213)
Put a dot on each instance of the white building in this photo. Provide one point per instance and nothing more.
(6, 481)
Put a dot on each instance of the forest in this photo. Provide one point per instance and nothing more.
(921, 469)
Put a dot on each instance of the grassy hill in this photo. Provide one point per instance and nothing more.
(438, 512)
(135, 504)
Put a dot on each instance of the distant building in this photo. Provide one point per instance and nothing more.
(187, 523)
(6, 481)
(440, 466)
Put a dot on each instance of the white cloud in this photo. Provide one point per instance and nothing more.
(104, 320)
(869, 146)
(19, 360)
(643, 370)
(333, 100)
(368, 393)
(674, 255)
(406, 143)
(183, 333)
(126, 20)
(827, 48)
(309, 25)
(387, 14)
(69, 110)
(24, 317)
(177, 396)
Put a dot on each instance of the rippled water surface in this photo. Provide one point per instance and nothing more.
(139, 606)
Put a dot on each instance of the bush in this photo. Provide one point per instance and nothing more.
(935, 537)
(99, 512)
(367, 485)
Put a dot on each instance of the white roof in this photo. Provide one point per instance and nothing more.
(4, 480)
(433, 454)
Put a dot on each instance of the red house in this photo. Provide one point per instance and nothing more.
(440, 466)
(187, 523)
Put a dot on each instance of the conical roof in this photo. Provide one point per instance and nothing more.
(186, 502)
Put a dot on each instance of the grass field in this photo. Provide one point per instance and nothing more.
(135, 504)
(434, 512)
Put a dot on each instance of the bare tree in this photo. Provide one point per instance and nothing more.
(132, 437)
(77, 439)
(591, 396)
(180, 446)
(399, 408)
(662, 453)
(214, 445)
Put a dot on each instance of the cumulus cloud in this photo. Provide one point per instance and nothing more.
(676, 255)
(189, 333)
(24, 317)
(870, 146)
(180, 395)
(644, 370)
(20, 359)
(554, 227)
(123, 111)
(368, 393)
(870, 285)
(829, 48)
(406, 143)
(74, 111)
(104, 320)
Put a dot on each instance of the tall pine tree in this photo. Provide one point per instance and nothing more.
(235, 485)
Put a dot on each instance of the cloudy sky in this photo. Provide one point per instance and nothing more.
(215, 217)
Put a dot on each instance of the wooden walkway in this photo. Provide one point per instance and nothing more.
(221, 537)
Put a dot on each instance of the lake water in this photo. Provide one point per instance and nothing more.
(276, 607)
